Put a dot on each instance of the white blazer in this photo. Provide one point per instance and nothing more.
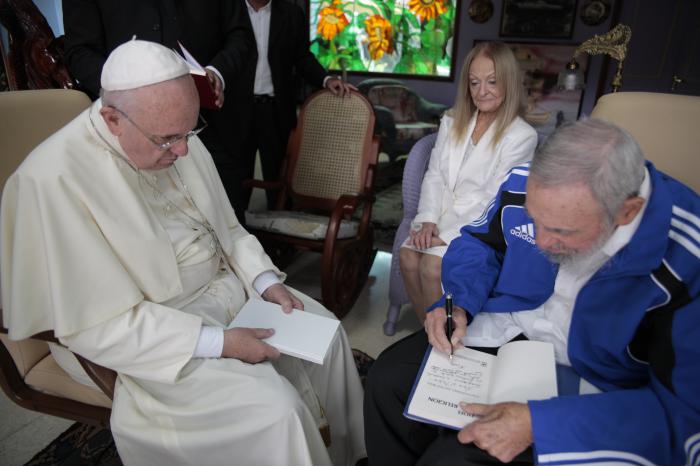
(457, 188)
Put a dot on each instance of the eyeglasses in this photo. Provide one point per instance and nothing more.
(165, 143)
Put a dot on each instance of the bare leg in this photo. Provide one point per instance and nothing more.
(430, 267)
(410, 271)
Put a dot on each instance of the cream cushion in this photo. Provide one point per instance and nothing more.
(40, 371)
(25, 353)
(664, 125)
(298, 224)
(47, 377)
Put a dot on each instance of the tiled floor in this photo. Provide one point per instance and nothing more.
(24, 433)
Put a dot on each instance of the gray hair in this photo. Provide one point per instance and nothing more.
(596, 153)
(123, 100)
(131, 100)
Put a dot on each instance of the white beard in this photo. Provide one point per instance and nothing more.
(578, 259)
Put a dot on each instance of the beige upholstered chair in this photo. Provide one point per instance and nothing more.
(29, 375)
(664, 125)
(328, 176)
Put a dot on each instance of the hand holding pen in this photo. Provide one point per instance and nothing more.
(436, 326)
(448, 310)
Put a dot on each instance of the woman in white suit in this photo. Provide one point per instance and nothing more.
(480, 139)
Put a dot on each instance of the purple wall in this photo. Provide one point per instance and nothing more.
(444, 91)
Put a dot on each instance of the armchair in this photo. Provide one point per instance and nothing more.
(413, 173)
(29, 375)
(403, 116)
(328, 176)
(664, 125)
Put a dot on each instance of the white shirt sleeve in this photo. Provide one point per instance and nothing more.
(216, 72)
(264, 281)
(325, 80)
(210, 343)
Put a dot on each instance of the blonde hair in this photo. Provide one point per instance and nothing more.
(508, 80)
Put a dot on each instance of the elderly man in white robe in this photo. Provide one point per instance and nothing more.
(118, 235)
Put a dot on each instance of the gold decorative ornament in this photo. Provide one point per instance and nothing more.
(613, 43)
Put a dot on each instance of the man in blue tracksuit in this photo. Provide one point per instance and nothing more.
(595, 251)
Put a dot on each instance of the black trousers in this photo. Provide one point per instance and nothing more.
(393, 439)
(268, 137)
(235, 158)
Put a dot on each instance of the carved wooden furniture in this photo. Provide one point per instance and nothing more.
(328, 177)
(35, 56)
(29, 375)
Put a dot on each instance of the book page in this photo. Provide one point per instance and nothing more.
(194, 65)
(301, 334)
(524, 370)
(442, 384)
(207, 98)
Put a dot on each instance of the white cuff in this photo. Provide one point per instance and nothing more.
(216, 72)
(210, 343)
(330, 76)
(264, 281)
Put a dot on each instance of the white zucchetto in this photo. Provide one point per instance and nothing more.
(139, 63)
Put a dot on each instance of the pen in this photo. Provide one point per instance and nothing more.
(448, 308)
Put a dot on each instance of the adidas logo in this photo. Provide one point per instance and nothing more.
(526, 232)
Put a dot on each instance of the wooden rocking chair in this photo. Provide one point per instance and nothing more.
(328, 179)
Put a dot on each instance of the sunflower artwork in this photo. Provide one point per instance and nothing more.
(405, 37)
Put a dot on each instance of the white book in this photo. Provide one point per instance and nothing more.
(301, 334)
(522, 370)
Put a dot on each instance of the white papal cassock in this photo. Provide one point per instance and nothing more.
(126, 267)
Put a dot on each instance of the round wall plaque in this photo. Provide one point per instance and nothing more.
(480, 11)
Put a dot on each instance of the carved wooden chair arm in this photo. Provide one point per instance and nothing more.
(103, 377)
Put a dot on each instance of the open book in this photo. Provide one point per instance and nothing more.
(301, 334)
(522, 370)
(207, 98)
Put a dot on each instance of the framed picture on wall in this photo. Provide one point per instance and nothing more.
(540, 18)
(547, 107)
(406, 38)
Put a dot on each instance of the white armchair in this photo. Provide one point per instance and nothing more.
(664, 125)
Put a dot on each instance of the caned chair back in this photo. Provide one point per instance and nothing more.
(329, 151)
(664, 125)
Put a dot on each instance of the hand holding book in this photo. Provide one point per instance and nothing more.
(209, 97)
(217, 86)
(503, 430)
(522, 371)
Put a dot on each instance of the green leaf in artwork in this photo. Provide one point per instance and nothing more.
(433, 39)
(422, 68)
(325, 60)
(412, 19)
(356, 65)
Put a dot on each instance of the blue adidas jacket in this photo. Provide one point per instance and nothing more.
(635, 328)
